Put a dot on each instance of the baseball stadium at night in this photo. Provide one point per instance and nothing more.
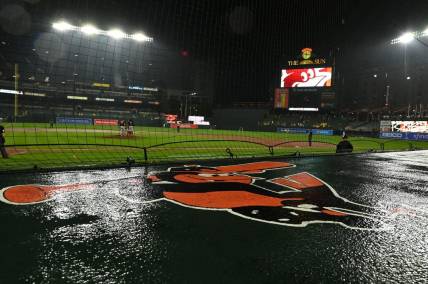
(211, 141)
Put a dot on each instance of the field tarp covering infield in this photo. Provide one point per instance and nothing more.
(39, 146)
(114, 227)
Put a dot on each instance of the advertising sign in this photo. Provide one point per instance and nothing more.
(306, 77)
(171, 118)
(306, 131)
(74, 120)
(184, 125)
(404, 136)
(281, 99)
(106, 122)
(385, 126)
(409, 126)
(307, 57)
(101, 85)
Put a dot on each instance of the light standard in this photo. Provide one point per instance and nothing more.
(406, 39)
(190, 99)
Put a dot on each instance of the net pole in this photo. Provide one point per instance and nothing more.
(16, 90)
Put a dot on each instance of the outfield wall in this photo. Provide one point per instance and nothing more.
(404, 136)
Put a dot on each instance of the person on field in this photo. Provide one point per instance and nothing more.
(130, 127)
(310, 138)
(2, 142)
(344, 146)
(122, 126)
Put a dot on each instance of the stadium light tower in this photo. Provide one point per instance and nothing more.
(408, 37)
(116, 34)
(63, 26)
(140, 37)
(88, 29)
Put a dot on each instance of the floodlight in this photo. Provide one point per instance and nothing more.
(90, 30)
(116, 34)
(62, 26)
(140, 37)
(408, 77)
(406, 38)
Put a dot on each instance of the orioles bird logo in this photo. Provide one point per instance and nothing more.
(295, 200)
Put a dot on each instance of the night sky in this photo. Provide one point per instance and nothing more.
(245, 43)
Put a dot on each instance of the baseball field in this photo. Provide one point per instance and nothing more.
(42, 146)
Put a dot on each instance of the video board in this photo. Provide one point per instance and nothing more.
(409, 126)
(307, 77)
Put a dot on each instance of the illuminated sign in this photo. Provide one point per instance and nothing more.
(306, 58)
(34, 94)
(11, 92)
(133, 101)
(151, 89)
(77, 98)
(104, 99)
(303, 109)
(106, 122)
(196, 118)
(102, 85)
(171, 118)
(137, 88)
(281, 98)
(307, 77)
(154, 103)
(409, 126)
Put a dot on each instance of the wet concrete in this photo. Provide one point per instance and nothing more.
(113, 230)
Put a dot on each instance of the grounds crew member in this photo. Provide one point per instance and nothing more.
(2, 142)
(344, 146)
(310, 138)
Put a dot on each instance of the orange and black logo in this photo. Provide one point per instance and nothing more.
(296, 200)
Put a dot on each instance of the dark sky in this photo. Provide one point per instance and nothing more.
(245, 42)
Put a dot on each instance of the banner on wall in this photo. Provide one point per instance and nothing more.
(404, 136)
(306, 131)
(184, 125)
(106, 122)
(74, 120)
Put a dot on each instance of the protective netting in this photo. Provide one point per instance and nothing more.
(112, 83)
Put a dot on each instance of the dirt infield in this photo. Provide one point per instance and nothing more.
(268, 141)
(256, 140)
(15, 151)
(132, 137)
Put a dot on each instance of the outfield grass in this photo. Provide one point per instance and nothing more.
(36, 145)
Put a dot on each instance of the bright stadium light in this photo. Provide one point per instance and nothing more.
(90, 30)
(140, 37)
(116, 34)
(63, 26)
(407, 37)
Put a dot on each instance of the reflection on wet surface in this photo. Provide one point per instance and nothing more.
(107, 232)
